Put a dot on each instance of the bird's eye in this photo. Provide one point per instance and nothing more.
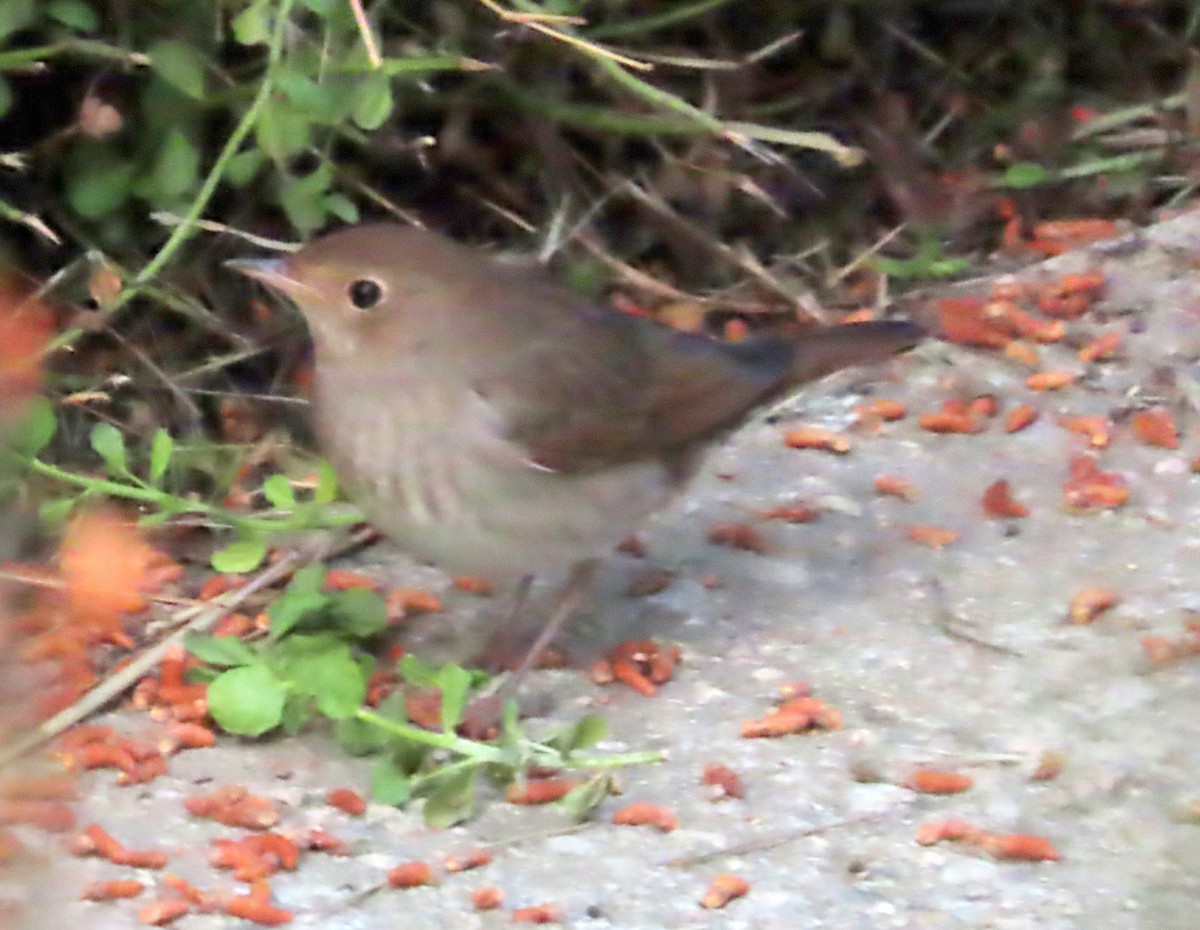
(365, 293)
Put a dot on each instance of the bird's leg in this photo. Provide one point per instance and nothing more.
(484, 712)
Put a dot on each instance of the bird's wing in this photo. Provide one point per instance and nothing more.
(603, 388)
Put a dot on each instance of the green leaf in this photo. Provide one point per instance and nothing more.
(1024, 174)
(314, 100)
(161, 448)
(180, 65)
(222, 651)
(54, 513)
(309, 578)
(247, 700)
(108, 442)
(281, 130)
(176, 171)
(292, 607)
(303, 198)
(239, 557)
(372, 100)
(242, 167)
(36, 428)
(99, 185)
(390, 784)
(360, 612)
(450, 799)
(418, 672)
(358, 738)
(336, 681)
(251, 26)
(583, 799)
(278, 492)
(74, 13)
(342, 207)
(586, 732)
(297, 712)
(15, 15)
(454, 681)
(327, 484)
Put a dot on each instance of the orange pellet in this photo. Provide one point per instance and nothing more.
(487, 898)
(880, 409)
(249, 907)
(896, 486)
(474, 859)
(1023, 354)
(723, 889)
(1096, 429)
(738, 536)
(641, 813)
(1050, 380)
(163, 912)
(932, 781)
(1103, 346)
(814, 437)
(948, 421)
(338, 579)
(347, 801)
(999, 502)
(723, 778)
(410, 875)
(1076, 230)
(630, 675)
(935, 537)
(1020, 417)
(473, 585)
(1022, 847)
(797, 512)
(1088, 604)
(1156, 427)
(538, 914)
(540, 790)
(111, 890)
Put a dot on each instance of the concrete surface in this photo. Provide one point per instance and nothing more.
(959, 659)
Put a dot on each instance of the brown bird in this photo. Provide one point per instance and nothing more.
(495, 424)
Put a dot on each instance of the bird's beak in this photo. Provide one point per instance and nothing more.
(274, 272)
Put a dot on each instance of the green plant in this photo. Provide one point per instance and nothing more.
(315, 663)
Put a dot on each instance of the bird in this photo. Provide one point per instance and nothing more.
(495, 424)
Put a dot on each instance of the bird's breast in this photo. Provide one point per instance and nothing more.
(429, 463)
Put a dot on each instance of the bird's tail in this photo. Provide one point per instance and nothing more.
(832, 348)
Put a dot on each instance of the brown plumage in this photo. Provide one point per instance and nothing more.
(498, 425)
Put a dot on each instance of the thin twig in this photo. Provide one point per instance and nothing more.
(364, 30)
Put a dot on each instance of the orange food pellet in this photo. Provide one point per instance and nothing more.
(473, 585)
(948, 421)
(626, 672)
(1023, 354)
(1019, 418)
(964, 320)
(410, 600)
(1156, 427)
(538, 914)
(1095, 428)
(540, 790)
(111, 890)
(338, 579)
(999, 502)
(1077, 230)
(1050, 380)
(347, 801)
(723, 889)
(249, 907)
(797, 512)
(474, 859)
(1088, 604)
(881, 409)
(410, 875)
(814, 437)
(935, 537)
(1022, 847)
(932, 781)
(896, 487)
(487, 898)
(723, 778)
(642, 813)
(1103, 346)
(163, 912)
(738, 536)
